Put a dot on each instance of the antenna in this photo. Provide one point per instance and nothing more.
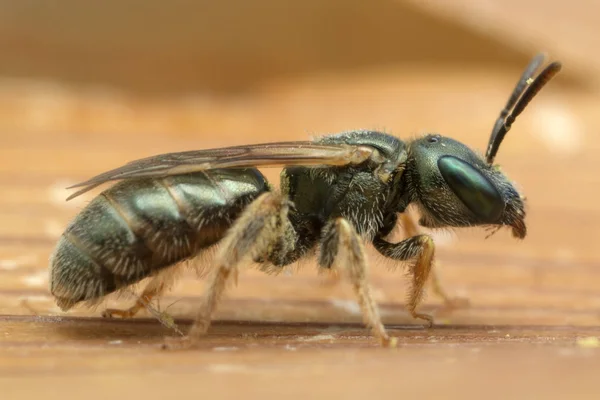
(523, 93)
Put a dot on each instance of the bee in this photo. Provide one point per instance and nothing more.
(337, 194)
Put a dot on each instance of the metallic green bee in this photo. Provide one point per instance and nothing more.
(337, 192)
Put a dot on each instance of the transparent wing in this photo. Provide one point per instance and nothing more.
(277, 154)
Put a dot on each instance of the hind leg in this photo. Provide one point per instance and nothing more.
(154, 289)
(410, 227)
(254, 235)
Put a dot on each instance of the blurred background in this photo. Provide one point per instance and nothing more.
(88, 86)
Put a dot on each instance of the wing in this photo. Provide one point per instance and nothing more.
(277, 154)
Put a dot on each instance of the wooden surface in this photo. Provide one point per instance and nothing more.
(532, 329)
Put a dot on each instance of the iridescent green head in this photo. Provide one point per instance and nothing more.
(455, 187)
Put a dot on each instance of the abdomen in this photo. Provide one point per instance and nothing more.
(137, 228)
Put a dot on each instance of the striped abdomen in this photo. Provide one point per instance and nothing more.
(136, 228)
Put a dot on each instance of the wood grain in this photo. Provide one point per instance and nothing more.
(535, 303)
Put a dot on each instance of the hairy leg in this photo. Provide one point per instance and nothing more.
(420, 248)
(411, 228)
(157, 285)
(254, 235)
(342, 248)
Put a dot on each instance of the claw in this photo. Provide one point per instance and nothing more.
(113, 312)
(425, 317)
(178, 343)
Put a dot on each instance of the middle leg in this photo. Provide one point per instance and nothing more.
(342, 247)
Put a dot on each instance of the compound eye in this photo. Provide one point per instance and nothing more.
(472, 188)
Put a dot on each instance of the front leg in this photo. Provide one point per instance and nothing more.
(450, 303)
(342, 248)
(422, 249)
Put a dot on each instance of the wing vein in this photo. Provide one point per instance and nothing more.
(278, 154)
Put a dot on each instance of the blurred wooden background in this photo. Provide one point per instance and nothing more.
(86, 87)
